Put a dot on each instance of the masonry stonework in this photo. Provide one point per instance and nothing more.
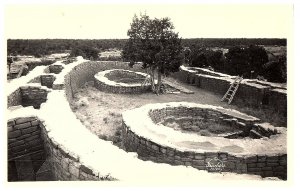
(85, 72)
(33, 96)
(250, 93)
(102, 78)
(56, 69)
(47, 80)
(265, 165)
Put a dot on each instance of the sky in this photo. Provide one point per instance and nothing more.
(107, 21)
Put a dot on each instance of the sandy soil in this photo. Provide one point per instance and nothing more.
(101, 112)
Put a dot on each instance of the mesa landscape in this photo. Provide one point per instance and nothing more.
(154, 107)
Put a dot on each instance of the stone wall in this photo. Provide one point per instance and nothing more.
(23, 137)
(85, 72)
(262, 165)
(197, 119)
(121, 89)
(278, 100)
(33, 96)
(65, 165)
(249, 93)
(56, 69)
(24, 143)
(47, 80)
(103, 83)
(155, 145)
(27, 136)
(14, 98)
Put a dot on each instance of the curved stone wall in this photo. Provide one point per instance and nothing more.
(153, 141)
(103, 82)
(28, 137)
(80, 74)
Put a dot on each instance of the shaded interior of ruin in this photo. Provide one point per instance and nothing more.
(121, 76)
(206, 122)
(27, 158)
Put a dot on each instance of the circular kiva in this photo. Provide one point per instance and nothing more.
(183, 133)
(122, 81)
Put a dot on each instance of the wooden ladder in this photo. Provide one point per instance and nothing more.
(232, 89)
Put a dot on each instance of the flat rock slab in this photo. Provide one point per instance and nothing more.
(178, 86)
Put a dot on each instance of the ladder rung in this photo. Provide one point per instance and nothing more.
(232, 90)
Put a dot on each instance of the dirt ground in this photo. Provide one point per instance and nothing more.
(101, 112)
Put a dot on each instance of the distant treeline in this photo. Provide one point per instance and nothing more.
(230, 42)
(42, 47)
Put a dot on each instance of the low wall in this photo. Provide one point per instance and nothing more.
(24, 143)
(85, 72)
(103, 82)
(262, 165)
(27, 96)
(23, 137)
(249, 93)
(156, 146)
(14, 99)
(265, 166)
(278, 100)
(66, 166)
(33, 96)
(27, 136)
(47, 80)
(56, 69)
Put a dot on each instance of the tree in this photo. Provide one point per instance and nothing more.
(205, 57)
(243, 60)
(275, 71)
(154, 43)
(85, 51)
(236, 61)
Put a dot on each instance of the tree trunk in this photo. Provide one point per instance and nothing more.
(158, 82)
(152, 79)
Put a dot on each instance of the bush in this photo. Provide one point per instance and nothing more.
(85, 51)
(243, 60)
(201, 57)
(275, 71)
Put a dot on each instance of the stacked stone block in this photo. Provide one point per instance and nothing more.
(263, 165)
(120, 89)
(56, 69)
(28, 136)
(85, 72)
(24, 139)
(279, 101)
(247, 94)
(148, 150)
(14, 98)
(33, 96)
(47, 80)
(66, 165)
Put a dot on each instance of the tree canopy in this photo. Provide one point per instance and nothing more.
(154, 43)
(243, 60)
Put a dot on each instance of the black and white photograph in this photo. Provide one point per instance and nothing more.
(148, 93)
